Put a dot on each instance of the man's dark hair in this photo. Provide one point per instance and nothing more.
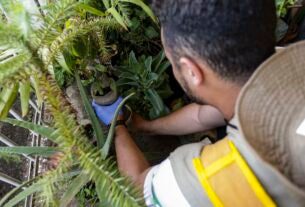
(232, 36)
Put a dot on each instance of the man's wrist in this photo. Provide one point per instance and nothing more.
(120, 122)
(120, 129)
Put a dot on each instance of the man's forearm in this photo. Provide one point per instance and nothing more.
(131, 160)
(190, 119)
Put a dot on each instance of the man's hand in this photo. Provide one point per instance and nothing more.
(139, 124)
(106, 113)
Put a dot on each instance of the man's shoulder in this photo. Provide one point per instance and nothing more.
(189, 150)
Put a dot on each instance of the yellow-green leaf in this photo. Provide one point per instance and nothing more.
(25, 91)
(7, 99)
(117, 17)
(146, 8)
(35, 84)
(91, 10)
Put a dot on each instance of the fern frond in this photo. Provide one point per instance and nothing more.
(9, 36)
(115, 188)
(10, 66)
(67, 37)
(53, 182)
(57, 14)
(18, 16)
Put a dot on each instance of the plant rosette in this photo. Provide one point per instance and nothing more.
(104, 91)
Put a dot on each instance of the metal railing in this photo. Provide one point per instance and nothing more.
(33, 167)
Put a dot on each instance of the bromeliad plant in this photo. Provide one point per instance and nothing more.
(34, 49)
(147, 77)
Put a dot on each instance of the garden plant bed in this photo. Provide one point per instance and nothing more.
(65, 54)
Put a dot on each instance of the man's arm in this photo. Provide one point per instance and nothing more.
(190, 119)
(131, 160)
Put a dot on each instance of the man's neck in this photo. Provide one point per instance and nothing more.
(226, 99)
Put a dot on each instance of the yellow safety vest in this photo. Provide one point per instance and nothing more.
(227, 179)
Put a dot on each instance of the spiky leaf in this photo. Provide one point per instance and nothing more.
(117, 16)
(106, 147)
(146, 8)
(7, 99)
(94, 120)
(75, 186)
(25, 92)
(39, 151)
(42, 130)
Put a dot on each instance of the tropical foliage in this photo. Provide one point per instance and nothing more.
(44, 52)
(146, 77)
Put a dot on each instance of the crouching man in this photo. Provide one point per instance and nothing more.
(215, 47)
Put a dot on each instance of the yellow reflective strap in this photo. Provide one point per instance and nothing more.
(205, 173)
(219, 165)
(251, 178)
(205, 183)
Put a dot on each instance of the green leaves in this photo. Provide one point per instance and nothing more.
(146, 8)
(28, 188)
(12, 65)
(44, 131)
(282, 6)
(39, 151)
(91, 9)
(94, 120)
(147, 76)
(17, 15)
(24, 194)
(7, 99)
(106, 147)
(75, 186)
(158, 107)
(25, 92)
(117, 17)
(15, 190)
(115, 9)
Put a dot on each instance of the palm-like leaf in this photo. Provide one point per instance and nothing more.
(39, 151)
(75, 186)
(94, 120)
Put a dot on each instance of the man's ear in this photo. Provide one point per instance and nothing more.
(191, 71)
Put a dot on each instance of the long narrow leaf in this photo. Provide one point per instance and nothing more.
(35, 84)
(162, 68)
(158, 60)
(146, 8)
(91, 9)
(117, 17)
(42, 130)
(106, 147)
(101, 194)
(74, 188)
(62, 62)
(39, 151)
(94, 120)
(33, 188)
(25, 92)
(155, 100)
(7, 97)
(24, 194)
(15, 190)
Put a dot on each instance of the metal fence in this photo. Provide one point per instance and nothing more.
(34, 162)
